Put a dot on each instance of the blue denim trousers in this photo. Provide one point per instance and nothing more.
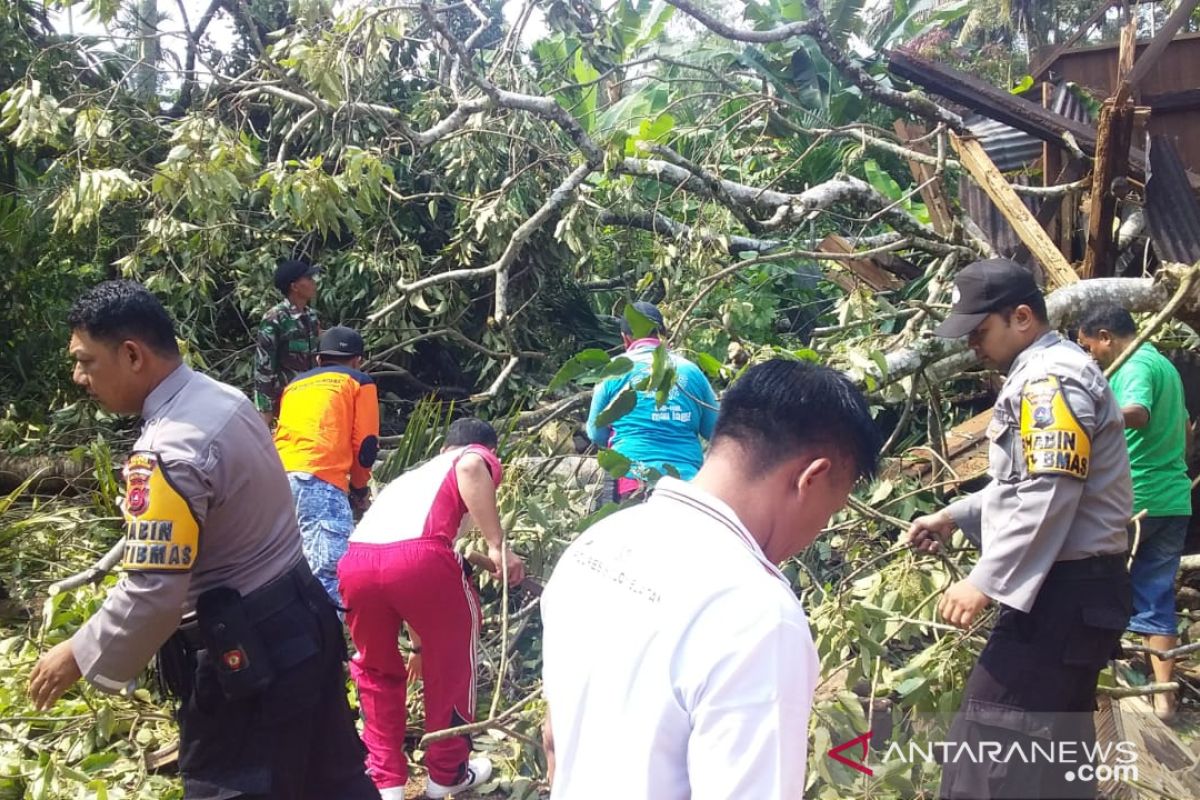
(1153, 573)
(326, 522)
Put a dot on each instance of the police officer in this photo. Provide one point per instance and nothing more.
(1051, 528)
(214, 576)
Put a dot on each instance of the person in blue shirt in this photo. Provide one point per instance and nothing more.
(656, 439)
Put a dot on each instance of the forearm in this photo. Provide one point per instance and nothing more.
(967, 514)
(1135, 416)
(479, 495)
(140, 613)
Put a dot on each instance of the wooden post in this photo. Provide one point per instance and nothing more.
(975, 160)
(932, 193)
(1114, 136)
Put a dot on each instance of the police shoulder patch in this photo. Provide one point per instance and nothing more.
(1054, 441)
(161, 533)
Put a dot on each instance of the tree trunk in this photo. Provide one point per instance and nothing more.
(1064, 305)
(49, 474)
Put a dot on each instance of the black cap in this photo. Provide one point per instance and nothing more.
(650, 312)
(984, 287)
(340, 341)
(291, 270)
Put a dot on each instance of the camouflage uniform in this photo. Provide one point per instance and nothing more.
(286, 345)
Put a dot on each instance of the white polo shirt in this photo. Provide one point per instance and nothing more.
(678, 662)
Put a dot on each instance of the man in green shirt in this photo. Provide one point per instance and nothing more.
(1150, 393)
(286, 344)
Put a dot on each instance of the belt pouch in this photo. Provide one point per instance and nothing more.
(237, 650)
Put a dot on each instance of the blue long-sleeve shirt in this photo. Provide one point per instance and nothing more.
(652, 436)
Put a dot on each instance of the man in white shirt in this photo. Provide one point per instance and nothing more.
(678, 660)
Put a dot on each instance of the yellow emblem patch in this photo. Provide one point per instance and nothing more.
(161, 533)
(1055, 442)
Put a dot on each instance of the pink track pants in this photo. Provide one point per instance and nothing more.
(421, 582)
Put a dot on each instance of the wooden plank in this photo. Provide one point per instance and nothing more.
(1017, 112)
(864, 269)
(975, 160)
(966, 449)
(932, 192)
(1158, 44)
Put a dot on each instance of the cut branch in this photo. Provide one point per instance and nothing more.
(662, 225)
(779, 34)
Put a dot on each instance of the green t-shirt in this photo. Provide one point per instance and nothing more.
(1156, 452)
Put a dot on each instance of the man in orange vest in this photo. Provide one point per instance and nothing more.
(328, 437)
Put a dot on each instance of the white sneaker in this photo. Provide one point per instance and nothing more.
(478, 771)
(392, 793)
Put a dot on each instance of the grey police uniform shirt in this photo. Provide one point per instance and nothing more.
(1054, 495)
(237, 527)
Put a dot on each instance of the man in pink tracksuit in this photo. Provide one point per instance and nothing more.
(401, 569)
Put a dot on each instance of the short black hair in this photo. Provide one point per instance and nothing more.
(783, 406)
(1036, 303)
(1108, 317)
(471, 430)
(114, 311)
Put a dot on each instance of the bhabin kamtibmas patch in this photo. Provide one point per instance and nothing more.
(1055, 442)
(161, 533)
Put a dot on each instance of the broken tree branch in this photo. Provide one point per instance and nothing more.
(654, 222)
(107, 563)
(779, 34)
(1186, 282)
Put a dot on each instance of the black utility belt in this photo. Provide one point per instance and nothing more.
(225, 627)
(265, 601)
(1105, 566)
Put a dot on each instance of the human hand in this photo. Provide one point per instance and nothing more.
(516, 567)
(54, 673)
(360, 501)
(929, 533)
(961, 603)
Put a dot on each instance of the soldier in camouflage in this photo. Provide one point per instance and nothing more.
(286, 344)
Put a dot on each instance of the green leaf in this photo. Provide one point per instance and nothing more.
(639, 323)
(663, 388)
(577, 365)
(656, 130)
(613, 463)
(710, 365)
(618, 366)
(620, 405)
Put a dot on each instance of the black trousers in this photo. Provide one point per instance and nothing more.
(296, 740)
(1034, 688)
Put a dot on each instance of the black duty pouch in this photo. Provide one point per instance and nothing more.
(238, 652)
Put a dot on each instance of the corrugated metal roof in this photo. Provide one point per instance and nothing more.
(1172, 212)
